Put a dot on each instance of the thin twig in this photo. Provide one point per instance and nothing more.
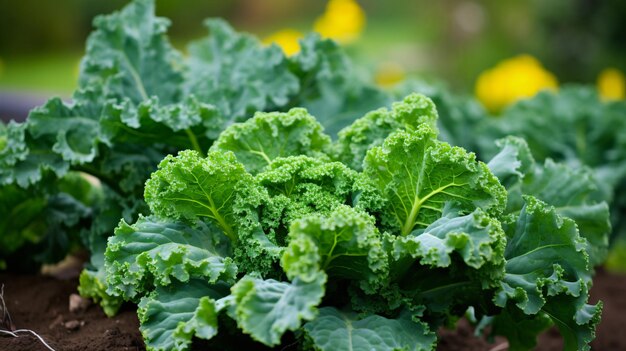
(8, 323)
(6, 320)
(14, 334)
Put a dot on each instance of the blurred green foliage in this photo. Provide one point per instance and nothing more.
(451, 40)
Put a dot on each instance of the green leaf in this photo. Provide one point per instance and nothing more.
(417, 174)
(373, 128)
(171, 316)
(265, 309)
(23, 218)
(148, 123)
(344, 244)
(130, 56)
(266, 136)
(520, 329)
(74, 127)
(449, 265)
(235, 73)
(547, 271)
(570, 190)
(191, 187)
(576, 320)
(590, 138)
(333, 330)
(459, 115)
(300, 185)
(331, 89)
(476, 238)
(292, 187)
(544, 253)
(151, 252)
(25, 160)
(513, 161)
(92, 284)
(39, 224)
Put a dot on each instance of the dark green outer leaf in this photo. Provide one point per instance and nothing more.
(330, 89)
(171, 316)
(333, 330)
(152, 252)
(547, 271)
(130, 55)
(265, 309)
(235, 73)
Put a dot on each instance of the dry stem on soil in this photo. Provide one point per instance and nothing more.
(6, 324)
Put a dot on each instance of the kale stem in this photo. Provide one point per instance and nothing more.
(194, 141)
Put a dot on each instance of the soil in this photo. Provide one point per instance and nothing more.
(41, 303)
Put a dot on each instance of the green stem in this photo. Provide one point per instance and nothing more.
(194, 141)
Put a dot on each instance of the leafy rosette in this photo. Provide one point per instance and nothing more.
(271, 238)
(139, 100)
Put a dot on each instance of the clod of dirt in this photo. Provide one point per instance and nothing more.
(78, 304)
(73, 325)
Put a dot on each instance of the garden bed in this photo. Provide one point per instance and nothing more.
(41, 303)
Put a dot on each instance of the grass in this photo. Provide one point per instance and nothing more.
(49, 73)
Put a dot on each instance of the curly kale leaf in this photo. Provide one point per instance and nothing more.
(235, 73)
(449, 264)
(460, 117)
(293, 187)
(594, 136)
(330, 88)
(476, 237)
(24, 160)
(300, 185)
(265, 309)
(589, 139)
(129, 54)
(191, 187)
(570, 190)
(267, 136)
(417, 174)
(152, 252)
(547, 272)
(39, 225)
(372, 129)
(345, 244)
(172, 316)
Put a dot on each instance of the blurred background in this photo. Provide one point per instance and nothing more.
(454, 41)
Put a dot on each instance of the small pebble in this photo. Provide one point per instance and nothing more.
(78, 304)
(73, 325)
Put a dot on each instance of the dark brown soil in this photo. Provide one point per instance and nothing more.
(42, 304)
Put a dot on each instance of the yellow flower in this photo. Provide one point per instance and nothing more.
(511, 80)
(343, 21)
(389, 74)
(287, 39)
(612, 84)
